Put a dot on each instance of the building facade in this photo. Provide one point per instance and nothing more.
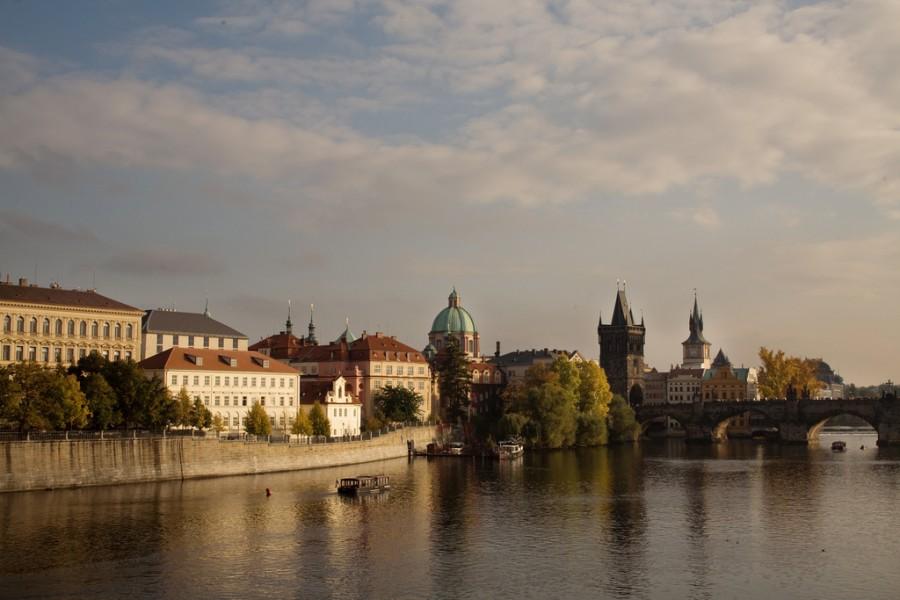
(622, 351)
(230, 382)
(684, 385)
(284, 345)
(164, 328)
(343, 411)
(368, 364)
(655, 391)
(55, 326)
(455, 321)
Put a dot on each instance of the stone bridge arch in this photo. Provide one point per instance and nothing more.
(815, 428)
(719, 424)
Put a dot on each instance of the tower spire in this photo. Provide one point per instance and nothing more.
(311, 334)
(288, 326)
(206, 309)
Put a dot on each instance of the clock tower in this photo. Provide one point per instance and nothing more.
(695, 349)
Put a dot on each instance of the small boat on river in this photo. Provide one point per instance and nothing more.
(363, 484)
(838, 446)
(509, 449)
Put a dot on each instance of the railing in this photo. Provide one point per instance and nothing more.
(224, 436)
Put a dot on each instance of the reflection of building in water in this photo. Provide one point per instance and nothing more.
(628, 522)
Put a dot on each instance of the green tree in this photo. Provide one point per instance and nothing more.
(200, 416)
(101, 400)
(510, 426)
(780, 372)
(621, 422)
(454, 381)
(258, 422)
(73, 407)
(594, 397)
(398, 403)
(183, 407)
(153, 406)
(319, 421)
(301, 425)
(218, 424)
(11, 394)
(34, 397)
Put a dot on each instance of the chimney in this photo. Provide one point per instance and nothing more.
(23, 282)
(497, 351)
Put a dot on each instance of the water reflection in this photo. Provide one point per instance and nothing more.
(661, 520)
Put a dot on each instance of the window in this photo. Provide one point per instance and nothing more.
(45, 354)
(226, 400)
(389, 370)
(206, 380)
(378, 369)
(421, 385)
(216, 400)
(282, 402)
(191, 341)
(6, 352)
(272, 382)
(70, 328)
(262, 382)
(227, 381)
(244, 401)
(46, 327)
(117, 356)
(57, 355)
(206, 341)
(221, 342)
(174, 339)
(184, 380)
(20, 353)
(281, 381)
(106, 330)
(32, 326)
(20, 325)
(421, 370)
(129, 331)
(234, 343)
(196, 380)
(82, 352)
(70, 355)
(82, 329)
(253, 382)
(234, 421)
(174, 379)
(117, 331)
(262, 401)
(58, 327)
(218, 380)
(244, 382)
(290, 382)
(95, 330)
(7, 324)
(409, 371)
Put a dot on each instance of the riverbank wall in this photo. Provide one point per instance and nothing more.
(66, 464)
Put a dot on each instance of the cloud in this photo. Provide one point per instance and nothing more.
(14, 222)
(168, 263)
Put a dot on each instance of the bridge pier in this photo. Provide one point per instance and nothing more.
(795, 433)
(697, 433)
(888, 433)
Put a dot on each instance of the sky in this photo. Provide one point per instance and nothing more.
(369, 156)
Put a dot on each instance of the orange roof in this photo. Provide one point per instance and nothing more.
(365, 348)
(215, 360)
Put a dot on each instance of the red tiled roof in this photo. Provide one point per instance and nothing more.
(281, 345)
(57, 296)
(312, 391)
(215, 360)
(365, 348)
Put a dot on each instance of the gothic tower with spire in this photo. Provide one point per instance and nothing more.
(695, 349)
(311, 330)
(622, 350)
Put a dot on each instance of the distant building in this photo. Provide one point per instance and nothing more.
(655, 390)
(724, 382)
(684, 385)
(515, 364)
(367, 363)
(284, 345)
(229, 382)
(164, 328)
(455, 321)
(622, 351)
(343, 411)
(55, 326)
(695, 349)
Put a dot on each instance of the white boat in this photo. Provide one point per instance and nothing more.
(353, 486)
(509, 449)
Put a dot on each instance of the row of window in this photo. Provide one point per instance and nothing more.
(344, 412)
(399, 383)
(97, 329)
(238, 421)
(238, 381)
(389, 370)
(47, 354)
(485, 377)
(190, 339)
(242, 401)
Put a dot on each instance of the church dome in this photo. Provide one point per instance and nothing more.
(454, 318)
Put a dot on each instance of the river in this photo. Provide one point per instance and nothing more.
(657, 520)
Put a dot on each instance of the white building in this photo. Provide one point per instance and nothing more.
(683, 385)
(162, 329)
(230, 382)
(343, 411)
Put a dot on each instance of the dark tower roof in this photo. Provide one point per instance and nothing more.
(695, 323)
(311, 330)
(721, 360)
(621, 313)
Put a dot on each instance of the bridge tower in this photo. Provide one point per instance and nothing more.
(695, 349)
(622, 350)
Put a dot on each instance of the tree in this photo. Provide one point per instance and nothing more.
(200, 417)
(454, 381)
(258, 422)
(510, 426)
(594, 397)
(32, 402)
(621, 421)
(398, 403)
(73, 407)
(218, 424)
(183, 406)
(301, 425)
(319, 421)
(101, 401)
(153, 406)
(780, 372)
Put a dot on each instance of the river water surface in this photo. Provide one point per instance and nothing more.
(658, 520)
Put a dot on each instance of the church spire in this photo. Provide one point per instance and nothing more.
(311, 335)
(206, 309)
(288, 326)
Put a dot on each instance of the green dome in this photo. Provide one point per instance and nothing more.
(454, 318)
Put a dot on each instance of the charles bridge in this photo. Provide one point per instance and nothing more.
(798, 420)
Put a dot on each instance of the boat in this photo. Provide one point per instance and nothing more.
(455, 448)
(363, 484)
(838, 446)
(509, 449)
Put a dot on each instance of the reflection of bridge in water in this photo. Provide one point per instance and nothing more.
(798, 421)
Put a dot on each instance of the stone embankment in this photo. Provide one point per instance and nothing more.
(61, 464)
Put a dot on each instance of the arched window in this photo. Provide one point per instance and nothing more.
(32, 326)
(70, 328)
(20, 325)
(7, 324)
(82, 329)
(106, 330)
(129, 331)
(118, 331)
(471, 347)
(46, 327)
(497, 377)
(95, 329)
(58, 327)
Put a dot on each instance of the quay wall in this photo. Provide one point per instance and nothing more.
(63, 464)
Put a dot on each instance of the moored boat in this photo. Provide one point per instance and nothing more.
(509, 449)
(363, 484)
(839, 446)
